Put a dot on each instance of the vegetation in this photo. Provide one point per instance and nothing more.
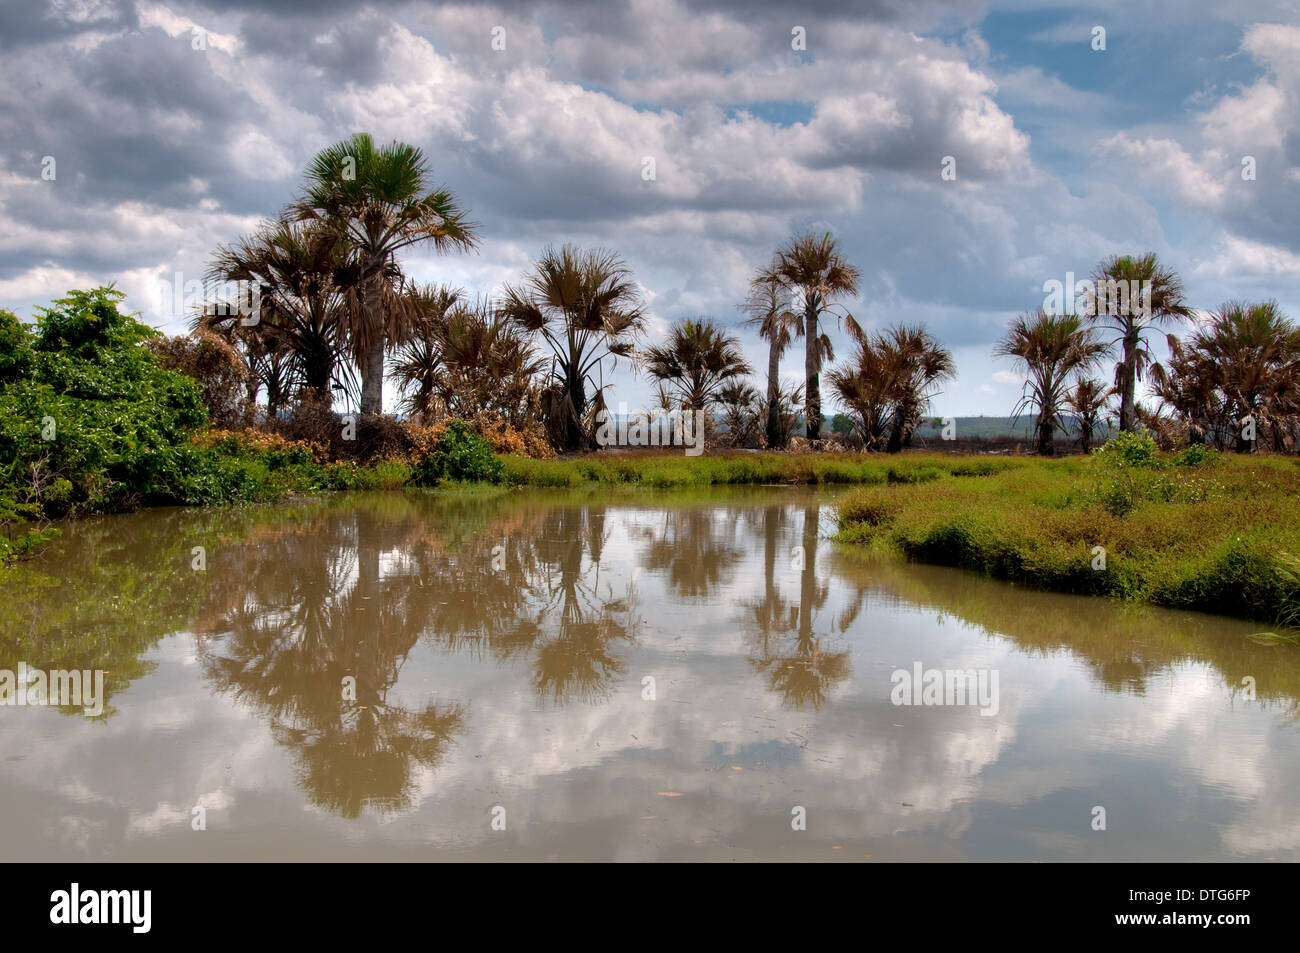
(1130, 294)
(585, 307)
(816, 273)
(380, 200)
(1050, 349)
(1195, 530)
(770, 309)
(698, 361)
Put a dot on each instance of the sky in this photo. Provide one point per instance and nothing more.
(137, 137)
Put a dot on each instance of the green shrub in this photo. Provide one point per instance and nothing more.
(1128, 449)
(94, 423)
(459, 454)
(1198, 455)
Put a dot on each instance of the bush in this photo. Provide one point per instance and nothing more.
(217, 367)
(459, 454)
(1128, 449)
(1198, 455)
(94, 424)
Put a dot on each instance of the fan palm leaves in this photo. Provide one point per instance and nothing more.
(1087, 400)
(301, 270)
(815, 271)
(1050, 349)
(586, 308)
(697, 361)
(1130, 294)
(1238, 373)
(889, 381)
(381, 200)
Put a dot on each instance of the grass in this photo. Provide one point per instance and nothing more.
(1218, 535)
(676, 470)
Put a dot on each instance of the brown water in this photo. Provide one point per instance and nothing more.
(628, 677)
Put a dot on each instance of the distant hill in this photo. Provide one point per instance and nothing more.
(988, 428)
(1022, 426)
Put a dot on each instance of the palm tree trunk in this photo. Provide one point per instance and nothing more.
(1128, 384)
(372, 379)
(896, 431)
(372, 361)
(1046, 446)
(773, 397)
(575, 439)
(812, 404)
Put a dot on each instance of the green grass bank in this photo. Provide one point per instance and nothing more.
(1195, 530)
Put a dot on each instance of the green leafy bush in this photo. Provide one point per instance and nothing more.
(459, 454)
(92, 423)
(1198, 455)
(1128, 449)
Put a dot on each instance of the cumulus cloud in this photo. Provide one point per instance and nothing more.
(163, 150)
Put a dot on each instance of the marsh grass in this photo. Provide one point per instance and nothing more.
(1217, 534)
(669, 470)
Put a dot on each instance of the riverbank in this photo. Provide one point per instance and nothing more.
(1206, 532)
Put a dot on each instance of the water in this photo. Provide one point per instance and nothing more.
(614, 675)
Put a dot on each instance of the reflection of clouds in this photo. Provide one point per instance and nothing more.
(586, 778)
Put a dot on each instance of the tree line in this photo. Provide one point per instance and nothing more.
(339, 313)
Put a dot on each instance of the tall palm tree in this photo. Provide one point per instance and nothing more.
(917, 363)
(382, 200)
(814, 269)
(1050, 349)
(1086, 400)
(698, 360)
(586, 307)
(769, 306)
(1104, 307)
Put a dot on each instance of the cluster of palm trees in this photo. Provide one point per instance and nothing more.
(338, 313)
(1233, 381)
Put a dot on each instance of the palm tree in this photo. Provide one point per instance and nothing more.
(743, 410)
(301, 270)
(1115, 280)
(814, 269)
(418, 362)
(1049, 348)
(698, 361)
(1252, 352)
(769, 308)
(865, 386)
(889, 382)
(586, 307)
(381, 199)
(1086, 401)
(916, 363)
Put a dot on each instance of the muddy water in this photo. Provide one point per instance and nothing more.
(616, 676)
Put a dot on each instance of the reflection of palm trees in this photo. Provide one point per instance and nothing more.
(689, 547)
(295, 636)
(796, 662)
(576, 660)
(351, 594)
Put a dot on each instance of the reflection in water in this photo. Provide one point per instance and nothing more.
(786, 649)
(397, 651)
